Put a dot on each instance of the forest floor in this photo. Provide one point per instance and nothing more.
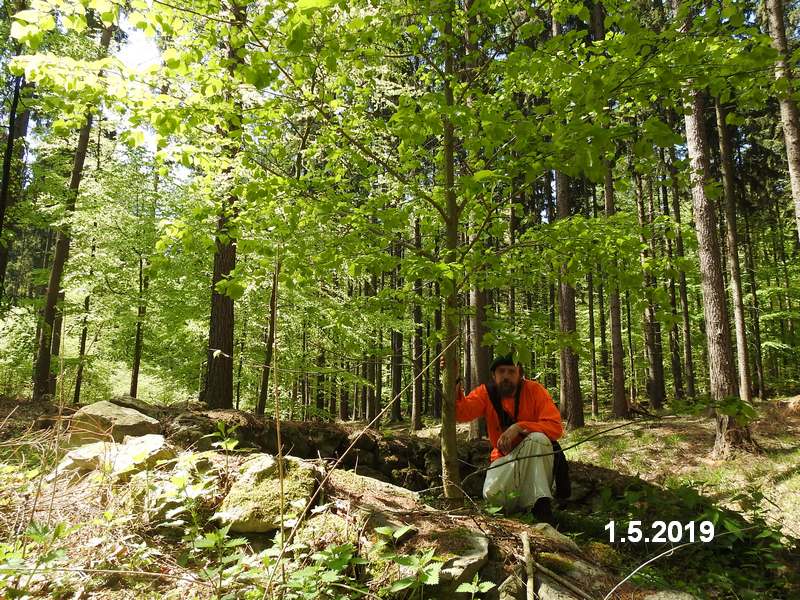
(648, 470)
(676, 452)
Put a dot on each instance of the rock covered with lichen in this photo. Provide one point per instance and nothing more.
(253, 503)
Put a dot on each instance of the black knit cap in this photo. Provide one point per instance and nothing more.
(500, 361)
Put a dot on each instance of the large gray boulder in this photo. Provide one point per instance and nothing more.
(472, 556)
(126, 401)
(104, 420)
(117, 461)
(253, 504)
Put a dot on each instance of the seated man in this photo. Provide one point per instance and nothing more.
(527, 426)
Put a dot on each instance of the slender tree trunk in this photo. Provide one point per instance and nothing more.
(55, 350)
(754, 311)
(720, 359)
(416, 401)
(732, 246)
(8, 156)
(451, 479)
(11, 186)
(570, 383)
(76, 398)
(479, 365)
(655, 365)
(631, 354)
(590, 286)
(397, 348)
(141, 309)
(379, 377)
(320, 388)
(789, 113)
(688, 361)
(437, 368)
(674, 335)
(344, 399)
(619, 403)
(269, 344)
(41, 377)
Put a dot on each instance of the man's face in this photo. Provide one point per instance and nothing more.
(506, 378)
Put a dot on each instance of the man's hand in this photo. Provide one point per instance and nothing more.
(508, 441)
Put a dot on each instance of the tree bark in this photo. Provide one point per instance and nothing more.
(319, 392)
(141, 309)
(683, 294)
(451, 479)
(416, 399)
(674, 336)
(789, 113)
(218, 390)
(55, 348)
(11, 187)
(754, 311)
(655, 364)
(41, 379)
(720, 359)
(269, 344)
(571, 401)
(397, 346)
(619, 403)
(590, 291)
(732, 246)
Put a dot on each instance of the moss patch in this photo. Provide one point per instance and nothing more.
(254, 501)
(556, 562)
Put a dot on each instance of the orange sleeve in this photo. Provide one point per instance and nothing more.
(548, 419)
(472, 406)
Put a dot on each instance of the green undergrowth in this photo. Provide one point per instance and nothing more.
(663, 471)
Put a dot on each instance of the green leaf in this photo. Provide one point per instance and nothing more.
(484, 174)
(306, 5)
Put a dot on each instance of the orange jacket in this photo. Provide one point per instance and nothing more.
(536, 412)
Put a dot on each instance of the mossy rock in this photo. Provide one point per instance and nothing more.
(253, 504)
(603, 555)
(325, 530)
(558, 563)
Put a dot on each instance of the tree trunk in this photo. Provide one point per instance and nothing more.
(138, 342)
(732, 247)
(437, 364)
(344, 398)
(655, 365)
(397, 347)
(55, 349)
(688, 361)
(720, 359)
(269, 344)
(631, 354)
(218, 390)
(8, 156)
(590, 290)
(76, 398)
(754, 311)
(451, 480)
(571, 401)
(789, 114)
(319, 394)
(674, 337)
(619, 403)
(41, 379)
(11, 188)
(416, 401)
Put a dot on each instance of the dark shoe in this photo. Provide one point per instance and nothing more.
(543, 511)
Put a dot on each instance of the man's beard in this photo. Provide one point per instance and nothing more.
(506, 388)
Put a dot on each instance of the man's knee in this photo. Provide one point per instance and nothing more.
(537, 437)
